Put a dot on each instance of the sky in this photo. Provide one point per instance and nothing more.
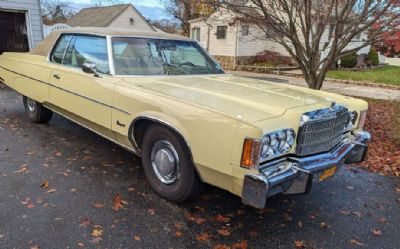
(151, 9)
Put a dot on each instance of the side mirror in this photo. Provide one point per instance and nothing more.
(89, 68)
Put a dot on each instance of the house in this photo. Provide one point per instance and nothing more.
(20, 25)
(116, 16)
(234, 42)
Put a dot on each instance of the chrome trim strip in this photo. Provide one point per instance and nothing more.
(68, 91)
(110, 55)
(92, 130)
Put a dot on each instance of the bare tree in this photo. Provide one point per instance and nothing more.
(299, 26)
(101, 3)
(186, 10)
(56, 10)
(166, 25)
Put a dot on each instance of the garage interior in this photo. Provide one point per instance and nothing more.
(13, 32)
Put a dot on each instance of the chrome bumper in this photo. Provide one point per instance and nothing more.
(294, 175)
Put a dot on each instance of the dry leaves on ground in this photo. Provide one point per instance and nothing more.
(383, 122)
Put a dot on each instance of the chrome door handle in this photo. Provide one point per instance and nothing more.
(56, 76)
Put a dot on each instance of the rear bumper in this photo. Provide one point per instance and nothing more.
(294, 175)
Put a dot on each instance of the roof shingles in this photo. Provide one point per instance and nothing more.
(97, 16)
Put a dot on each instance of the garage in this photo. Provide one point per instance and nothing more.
(21, 27)
(13, 28)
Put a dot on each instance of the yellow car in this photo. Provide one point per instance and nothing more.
(165, 99)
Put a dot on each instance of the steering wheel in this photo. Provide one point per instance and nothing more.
(187, 63)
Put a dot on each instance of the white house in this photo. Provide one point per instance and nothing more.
(20, 25)
(234, 42)
(116, 16)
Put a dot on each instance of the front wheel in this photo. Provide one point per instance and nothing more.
(36, 111)
(168, 165)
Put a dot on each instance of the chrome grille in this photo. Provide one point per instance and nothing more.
(322, 130)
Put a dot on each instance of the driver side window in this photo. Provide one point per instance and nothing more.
(87, 49)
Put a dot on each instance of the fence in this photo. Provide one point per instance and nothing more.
(59, 26)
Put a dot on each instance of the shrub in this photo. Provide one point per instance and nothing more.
(349, 61)
(373, 57)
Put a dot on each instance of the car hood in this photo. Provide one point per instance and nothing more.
(247, 99)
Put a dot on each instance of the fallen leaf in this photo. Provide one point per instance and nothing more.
(195, 218)
(287, 217)
(221, 247)
(45, 184)
(97, 232)
(300, 224)
(377, 232)
(357, 213)
(224, 232)
(35, 247)
(85, 222)
(51, 191)
(23, 169)
(131, 189)
(220, 218)
(240, 245)
(151, 211)
(323, 225)
(178, 226)
(178, 234)
(98, 205)
(299, 244)
(345, 212)
(383, 220)
(73, 190)
(117, 202)
(30, 205)
(137, 238)
(203, 237)
(80, 244)
(356, 242)
(398, 190)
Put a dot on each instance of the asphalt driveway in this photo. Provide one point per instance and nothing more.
(58, 182)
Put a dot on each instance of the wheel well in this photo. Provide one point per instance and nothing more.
(140, 126)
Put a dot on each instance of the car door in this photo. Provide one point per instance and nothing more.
(86, 95)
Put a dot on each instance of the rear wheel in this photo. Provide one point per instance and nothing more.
(168, 165)
(36, 111)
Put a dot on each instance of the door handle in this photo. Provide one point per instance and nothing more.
(56, 76)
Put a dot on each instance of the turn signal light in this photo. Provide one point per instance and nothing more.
(363, 117)
(251, 153)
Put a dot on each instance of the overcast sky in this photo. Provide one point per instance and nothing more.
(151, 9)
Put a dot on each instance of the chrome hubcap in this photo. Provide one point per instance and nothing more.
(31, 105)
(165, 162)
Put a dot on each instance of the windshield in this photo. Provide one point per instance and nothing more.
(145, 56)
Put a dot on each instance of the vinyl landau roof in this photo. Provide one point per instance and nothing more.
(47, 44)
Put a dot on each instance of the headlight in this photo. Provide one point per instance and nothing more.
(277, 143)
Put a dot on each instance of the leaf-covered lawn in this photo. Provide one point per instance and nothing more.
(383, 122)
(384, 75)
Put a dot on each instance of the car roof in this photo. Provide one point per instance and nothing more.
(47, 44)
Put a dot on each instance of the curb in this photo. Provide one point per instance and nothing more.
(361, 83)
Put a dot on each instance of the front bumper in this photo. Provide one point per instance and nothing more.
(294, 175)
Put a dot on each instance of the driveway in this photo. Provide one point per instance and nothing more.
(58, 182)
(340, 88)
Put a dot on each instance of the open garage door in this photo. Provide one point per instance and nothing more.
(13, 32)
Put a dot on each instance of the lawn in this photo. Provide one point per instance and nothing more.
(384, 75)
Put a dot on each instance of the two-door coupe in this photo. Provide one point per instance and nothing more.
(164, 98)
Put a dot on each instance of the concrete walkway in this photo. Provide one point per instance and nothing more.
(345, 89)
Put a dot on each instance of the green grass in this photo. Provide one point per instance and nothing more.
(385, 75)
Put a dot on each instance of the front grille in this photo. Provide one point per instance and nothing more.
(322, 130)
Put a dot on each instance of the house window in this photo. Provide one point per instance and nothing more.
(221, 32)
(245, 30)
(331, 31)
(196, 34)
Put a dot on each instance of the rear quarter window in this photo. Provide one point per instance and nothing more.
(59, 50)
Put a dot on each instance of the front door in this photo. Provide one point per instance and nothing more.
(86, 95)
